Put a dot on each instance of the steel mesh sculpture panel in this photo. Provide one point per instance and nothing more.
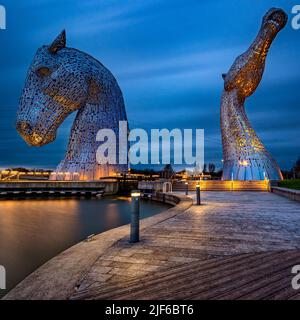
(60, 81)
(245, 157)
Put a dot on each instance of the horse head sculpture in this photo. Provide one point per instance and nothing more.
(60, 81)
(245, 157)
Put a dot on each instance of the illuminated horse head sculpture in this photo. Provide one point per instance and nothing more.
(245, 157)
(60, 81)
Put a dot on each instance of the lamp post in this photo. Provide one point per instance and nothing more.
(294, 173)
(135, 217)
(186, 188)
(198, 197)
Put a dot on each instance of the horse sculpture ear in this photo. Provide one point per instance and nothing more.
(59, 43)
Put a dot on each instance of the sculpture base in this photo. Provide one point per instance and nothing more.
(70, 171)
(251, 170)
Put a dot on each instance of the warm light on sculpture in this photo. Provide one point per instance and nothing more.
(245, 157)
(60, 81)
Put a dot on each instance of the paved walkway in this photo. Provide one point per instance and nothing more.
(235, 245)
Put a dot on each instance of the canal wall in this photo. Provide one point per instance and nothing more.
(166, 198)
(288, 193)
(223, 185)
(206, 185)
(58, 187)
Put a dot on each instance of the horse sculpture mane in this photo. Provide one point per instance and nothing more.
(60, 81)
(245, 157)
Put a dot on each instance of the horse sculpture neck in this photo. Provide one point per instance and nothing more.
(103, 109)
(245, 157)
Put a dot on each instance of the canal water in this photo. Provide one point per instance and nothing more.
(34, 231)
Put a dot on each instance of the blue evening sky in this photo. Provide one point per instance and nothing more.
(168, 57)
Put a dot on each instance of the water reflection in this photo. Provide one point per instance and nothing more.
(33, 231)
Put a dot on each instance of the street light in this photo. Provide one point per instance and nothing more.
(135, 217)
(186, 188)
(265, 176)
(198, 194)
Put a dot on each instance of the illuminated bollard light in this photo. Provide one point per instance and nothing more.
(198, 194)
(186, 188)
(135, 217)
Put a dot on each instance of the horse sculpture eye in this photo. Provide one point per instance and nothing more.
(44, 72)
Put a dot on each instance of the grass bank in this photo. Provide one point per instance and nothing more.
(290, 184)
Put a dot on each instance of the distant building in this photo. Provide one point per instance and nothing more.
(167, 172)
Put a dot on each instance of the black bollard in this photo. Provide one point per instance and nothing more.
(186, 188)
(135, 217)
(198, 194)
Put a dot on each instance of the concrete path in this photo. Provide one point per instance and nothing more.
(235, 245)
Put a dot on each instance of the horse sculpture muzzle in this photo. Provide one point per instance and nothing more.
(51, 92)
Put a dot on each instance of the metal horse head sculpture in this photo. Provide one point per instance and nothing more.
(245, 157)
(60, 81)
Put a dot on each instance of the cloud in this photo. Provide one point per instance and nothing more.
(203, 64)
(88, 18)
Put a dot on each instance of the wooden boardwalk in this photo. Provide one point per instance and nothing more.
(237, 245)
(245, 276)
